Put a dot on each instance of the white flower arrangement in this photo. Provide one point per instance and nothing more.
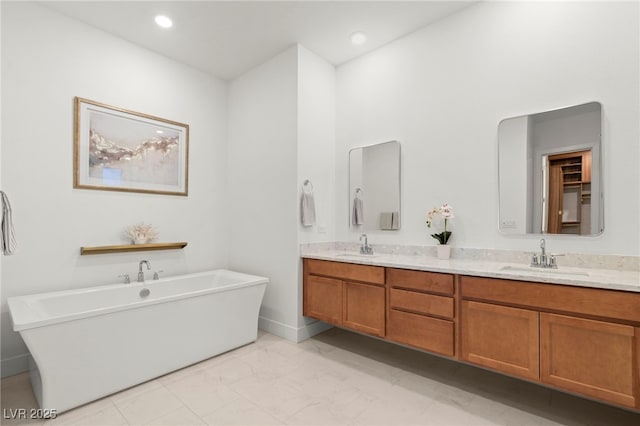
(446, 212)
(140, 233)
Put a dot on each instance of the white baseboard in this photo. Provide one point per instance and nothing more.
(312, 329)
(293, 334)
(14, 365)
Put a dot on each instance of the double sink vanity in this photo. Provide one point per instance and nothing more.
(573, 329)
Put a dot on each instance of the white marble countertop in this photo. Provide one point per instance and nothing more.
(612, 279)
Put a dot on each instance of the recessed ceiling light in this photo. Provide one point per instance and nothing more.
(159, 132)
(164, 21)
(358, 38)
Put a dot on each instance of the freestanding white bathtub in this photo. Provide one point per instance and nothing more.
(92, 342)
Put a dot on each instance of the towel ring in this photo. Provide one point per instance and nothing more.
(307, 183)
(358, 191)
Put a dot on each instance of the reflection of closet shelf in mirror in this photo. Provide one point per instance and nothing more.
(131, 247)
(571, 169)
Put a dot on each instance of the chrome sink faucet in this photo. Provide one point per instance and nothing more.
(543, 260)
(365, 248)
(140, 273)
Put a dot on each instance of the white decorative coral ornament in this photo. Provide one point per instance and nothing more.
(140, 233)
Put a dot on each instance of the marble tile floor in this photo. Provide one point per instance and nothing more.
(335, 378)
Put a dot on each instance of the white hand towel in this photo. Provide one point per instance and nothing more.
(8, 239)
(358, 212)
(385, 220)
(307, 209)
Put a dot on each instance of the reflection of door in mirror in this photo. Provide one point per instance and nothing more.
(570, 140)
(569, 193)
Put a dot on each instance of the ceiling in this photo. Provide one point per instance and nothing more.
(228, 38)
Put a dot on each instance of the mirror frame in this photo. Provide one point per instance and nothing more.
(349, 195)
(600, 164)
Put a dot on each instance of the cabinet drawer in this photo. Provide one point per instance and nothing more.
(422, 332)
(421, 303)
(346, 271)
(419, 280)
(622, 305)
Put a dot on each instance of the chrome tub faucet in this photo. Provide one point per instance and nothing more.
(140, 273)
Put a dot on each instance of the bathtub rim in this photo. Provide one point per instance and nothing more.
(24, 318)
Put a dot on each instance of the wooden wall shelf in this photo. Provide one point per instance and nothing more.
(131, 247)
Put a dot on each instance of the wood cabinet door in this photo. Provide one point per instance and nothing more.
(322, 299)
(364, 308)
(501, 338)
(594, 358)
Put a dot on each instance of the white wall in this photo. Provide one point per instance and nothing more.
(442, 91)
(316, 157)
(263, 173)
(281, 116)
(48, 59)
(316, 140)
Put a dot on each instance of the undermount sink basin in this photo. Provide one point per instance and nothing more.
(358, 255)
(532, 270)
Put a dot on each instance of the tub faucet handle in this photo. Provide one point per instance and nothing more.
(156, 276)
(125, 278)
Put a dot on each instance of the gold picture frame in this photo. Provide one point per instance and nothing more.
(121, 150)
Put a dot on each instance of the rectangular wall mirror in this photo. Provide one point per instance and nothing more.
(550, 176)
(374, 187)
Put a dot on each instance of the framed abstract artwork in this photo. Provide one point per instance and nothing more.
(120, 150)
